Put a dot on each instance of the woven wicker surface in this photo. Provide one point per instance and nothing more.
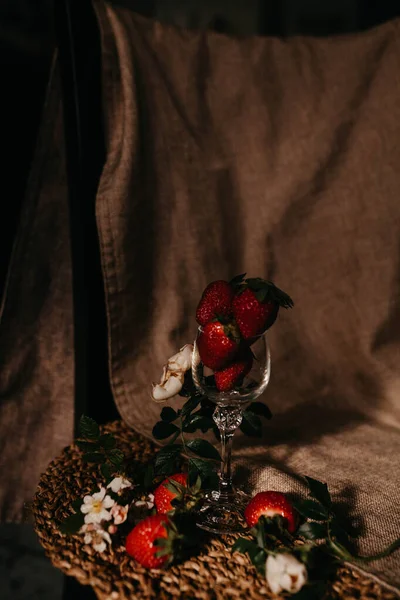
(215, 574)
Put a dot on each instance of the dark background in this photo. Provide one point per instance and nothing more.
(27, 43)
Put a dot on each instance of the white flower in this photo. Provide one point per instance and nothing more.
(168, 387)
(182, 360)
(96, 536)
(173, 374)
(95, 507)
(285, 572)
(119, 513)
(149, 502)
(119, 483)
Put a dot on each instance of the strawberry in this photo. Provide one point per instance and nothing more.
(218, 344)
(176, 487)
(216, 300)
(163, 496)
(234, 373)
(270, 504)
(140, 541)
(256, 306)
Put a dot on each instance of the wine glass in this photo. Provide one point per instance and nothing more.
(222, 510)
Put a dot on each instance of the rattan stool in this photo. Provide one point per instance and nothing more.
(216, 574)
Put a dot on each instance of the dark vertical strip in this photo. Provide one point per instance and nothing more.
(79, 52)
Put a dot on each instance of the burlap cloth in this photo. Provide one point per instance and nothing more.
(215, 574)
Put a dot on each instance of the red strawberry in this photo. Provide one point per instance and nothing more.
(216, 300)
(218, 344)
(234, 373)
(270, 504)
(163, 496)
(256, 306)
(140, 542)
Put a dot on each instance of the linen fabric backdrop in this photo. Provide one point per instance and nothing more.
(274, 157)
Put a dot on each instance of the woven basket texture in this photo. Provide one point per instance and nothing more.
(214, 574)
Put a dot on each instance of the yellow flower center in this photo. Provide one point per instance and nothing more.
(97, 506)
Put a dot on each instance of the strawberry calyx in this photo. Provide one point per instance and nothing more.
(183, 538)
(170, 546)
(186, 497)
(235, 282)
(265, 291)
(230, 327)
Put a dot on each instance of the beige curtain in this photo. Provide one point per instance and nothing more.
(279, 158)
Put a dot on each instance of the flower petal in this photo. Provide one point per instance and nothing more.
(85, 508)
(105, 515)
(165, 375)
(285, 572)
(108, 502)
(182, 361)
(100, 547)
(99, 495)
(171, 387)
(119, 483)
(115, 484)
(94, 517)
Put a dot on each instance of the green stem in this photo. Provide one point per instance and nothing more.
(181, 434)
(343, 553)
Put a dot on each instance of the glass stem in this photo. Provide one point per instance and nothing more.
(227, 419)
(225, 476)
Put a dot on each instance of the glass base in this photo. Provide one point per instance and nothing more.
(222, 512)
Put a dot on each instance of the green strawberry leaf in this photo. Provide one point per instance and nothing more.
(168, 414)
(94, 457)
(338, 532)
(251, 424)
(188, 388)
(88, 428)
(190, 405)
(197, 421)
(313, 531)
(319, 491)
(260, 409)
(245, 546)
(204, 449)
(116, 457)
(148, 476)
(204, 469)
(255, 554)
(311, 510)
(72, 524)
(163, 430)
(107, 441)
(167, 459)
(106, 471)
(88, 446)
